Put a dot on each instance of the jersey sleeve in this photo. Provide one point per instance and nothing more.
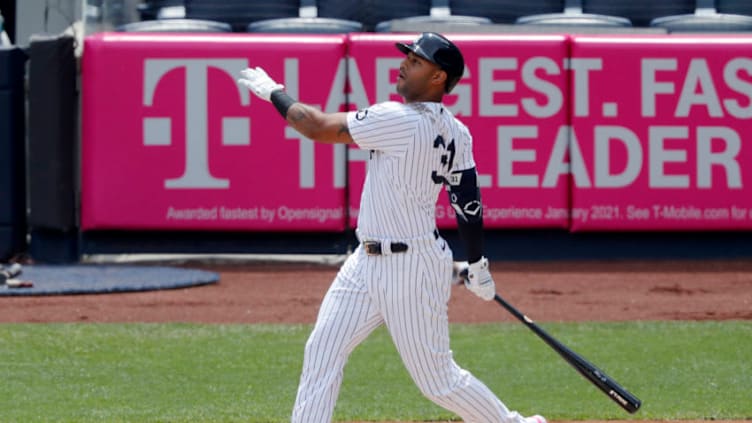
(464, 159)
(382, 126)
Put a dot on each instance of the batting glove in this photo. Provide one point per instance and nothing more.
(459, 272)
(259, 82)
(480, 281)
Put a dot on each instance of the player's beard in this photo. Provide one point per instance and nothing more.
(402, 88)
(408, 90)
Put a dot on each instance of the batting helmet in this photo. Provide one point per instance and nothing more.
(437, 49)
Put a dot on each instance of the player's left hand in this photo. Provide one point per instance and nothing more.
(259, 82)
(479, 280)
(459, 272)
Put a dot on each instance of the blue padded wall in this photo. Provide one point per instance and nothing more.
(12, 167)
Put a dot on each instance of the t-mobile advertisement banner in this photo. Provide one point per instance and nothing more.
(661, 138)
(171, 141)
(512, 98)
(638, 133)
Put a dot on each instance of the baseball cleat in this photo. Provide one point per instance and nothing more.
(535, 419)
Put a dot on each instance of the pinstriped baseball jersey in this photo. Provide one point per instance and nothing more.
(414, 147)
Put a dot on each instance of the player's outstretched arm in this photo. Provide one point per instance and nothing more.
(324, 127)
(309, 121)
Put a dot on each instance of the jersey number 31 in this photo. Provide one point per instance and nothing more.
(447, 159)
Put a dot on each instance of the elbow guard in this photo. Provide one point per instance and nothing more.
(464, 195)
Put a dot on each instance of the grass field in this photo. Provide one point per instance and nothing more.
(249, 373)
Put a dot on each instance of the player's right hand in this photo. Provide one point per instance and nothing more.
(480, 281)
(259, 82)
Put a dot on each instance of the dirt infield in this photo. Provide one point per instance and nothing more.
(546, 291)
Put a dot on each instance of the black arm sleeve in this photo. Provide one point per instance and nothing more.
(464, 195)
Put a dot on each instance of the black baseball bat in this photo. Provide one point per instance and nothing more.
(592, 373)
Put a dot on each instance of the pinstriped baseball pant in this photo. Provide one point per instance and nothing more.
(408, 292)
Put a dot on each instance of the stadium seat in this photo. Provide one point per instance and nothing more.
(171, 16)
(371, 12)
(574, 15)
(308, 25)
(505, 11)
(278, 16)
(439, 12)
(308, 21)
(176, 25)
(161, 9)
(706, 18)
(639, 12)
(239, 13)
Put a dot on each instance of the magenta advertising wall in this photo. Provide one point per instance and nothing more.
(171, 141)
(585, 133)
(661, 132)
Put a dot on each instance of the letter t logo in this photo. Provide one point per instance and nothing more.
(157, 129)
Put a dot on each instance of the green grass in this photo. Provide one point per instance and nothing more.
(249, 373)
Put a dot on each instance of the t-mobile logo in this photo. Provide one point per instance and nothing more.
(157, 132)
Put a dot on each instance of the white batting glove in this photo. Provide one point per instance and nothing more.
(480, 281)
(459, 272)
(259, 82)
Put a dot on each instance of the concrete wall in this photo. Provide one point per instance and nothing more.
(60, 14)
(30, 17)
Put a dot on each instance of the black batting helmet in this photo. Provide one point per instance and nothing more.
(437, 49)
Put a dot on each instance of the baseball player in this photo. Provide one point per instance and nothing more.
(400, 275)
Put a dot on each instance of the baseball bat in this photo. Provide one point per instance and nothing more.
(588, 370)
(596, 376)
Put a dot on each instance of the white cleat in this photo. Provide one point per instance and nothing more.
(536, 419)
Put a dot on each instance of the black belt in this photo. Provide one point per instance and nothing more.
(374, 248)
